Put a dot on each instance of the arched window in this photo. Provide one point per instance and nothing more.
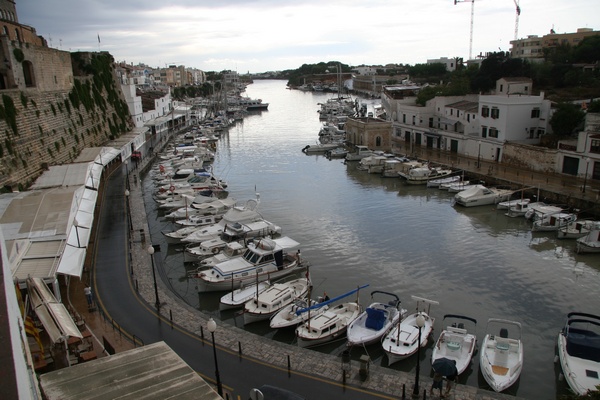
(17, 37)
(5, 31)
(28, 73)
(378, 141)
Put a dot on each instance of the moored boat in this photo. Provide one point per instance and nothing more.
(238, 297)
(264, 259)
(589, 243)
(402, 341)
(456, 342)
(501, 356)
(375, 321)
(480, 195)
(579, 352)
(576, 229)
(273, 299)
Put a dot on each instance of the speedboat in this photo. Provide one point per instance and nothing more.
(480, 195)
(358, 153)
(576, 229)
(205, 249)
(456, 342)
(552, 222)
(375, 321)
(274, 298)
(501, 356)
(265, 259)
(238, 297)
(589, 243)
(320, 147)
(231, 250)
(523, 209)
(407, 336)
(579, 352)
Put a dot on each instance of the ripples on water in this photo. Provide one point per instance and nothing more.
(357, 228)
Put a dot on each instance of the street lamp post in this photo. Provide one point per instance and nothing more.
(126, 174)
(128, 210)
(479, 154)
(212, 327)
(420, 323)
(151, 252)
(587, 164)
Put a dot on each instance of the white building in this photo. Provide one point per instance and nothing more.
(450, 63)
(472, 125)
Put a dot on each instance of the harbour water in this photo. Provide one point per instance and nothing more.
(357, 228)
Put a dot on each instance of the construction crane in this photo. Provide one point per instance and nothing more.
(517, 19)
(472, 15)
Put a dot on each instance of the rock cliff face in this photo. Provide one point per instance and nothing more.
(55, 104)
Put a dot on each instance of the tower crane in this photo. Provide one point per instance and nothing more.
(517, 19)
(472, 15)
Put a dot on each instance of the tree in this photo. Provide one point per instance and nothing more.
(566, 119)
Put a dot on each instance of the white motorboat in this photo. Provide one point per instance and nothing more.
(358, 153)
(539, 210)
(273, 299)
(198, 220)
(505, 205)
(265, 259)
(552, 222)
(392, 166)
(480, 195)
(328, 325)
(456, 342)
(250, 230)
(457, 187)
(231, 250)
(298, 312)
(576, 229)
(239, 214)
(424, 174)
(589, 243)
(238, 297)
(320, 148)
(446, 181)
(338, 152)
(501, 355)
(521, 209)
(205, 249)
(402, 340)
(579, 352)
(176, 236)
(375, 321)
(374, 163)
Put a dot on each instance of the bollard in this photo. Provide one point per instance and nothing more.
(289, 366)
(142, 236)
(364, 366)
(171, 317)
(404, 391)
(240, 349)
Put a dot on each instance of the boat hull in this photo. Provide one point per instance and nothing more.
(400, 342)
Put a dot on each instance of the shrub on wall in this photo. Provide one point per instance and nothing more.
(18, 53)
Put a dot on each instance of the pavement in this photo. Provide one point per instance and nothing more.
(380, 382)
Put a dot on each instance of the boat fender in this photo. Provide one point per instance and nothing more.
(172, 188)
(215, 250)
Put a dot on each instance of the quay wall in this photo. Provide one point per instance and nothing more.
(530, 157)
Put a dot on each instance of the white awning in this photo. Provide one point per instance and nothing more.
(54, 316)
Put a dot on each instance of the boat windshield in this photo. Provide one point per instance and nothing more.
(251, 256)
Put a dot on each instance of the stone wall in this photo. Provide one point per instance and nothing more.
(41, 127)
(526, 156)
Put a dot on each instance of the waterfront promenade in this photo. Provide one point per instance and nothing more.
(304, 364)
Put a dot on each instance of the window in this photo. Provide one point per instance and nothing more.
(484, 131)
(495, 113)
(468, 117)
(595, 146)
(535, 113)
(485, 111)
(501, 88)
(413, 120)
(493, 133)
(451, 112)
(431, 122)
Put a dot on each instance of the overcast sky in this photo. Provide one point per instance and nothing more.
(266, 35)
